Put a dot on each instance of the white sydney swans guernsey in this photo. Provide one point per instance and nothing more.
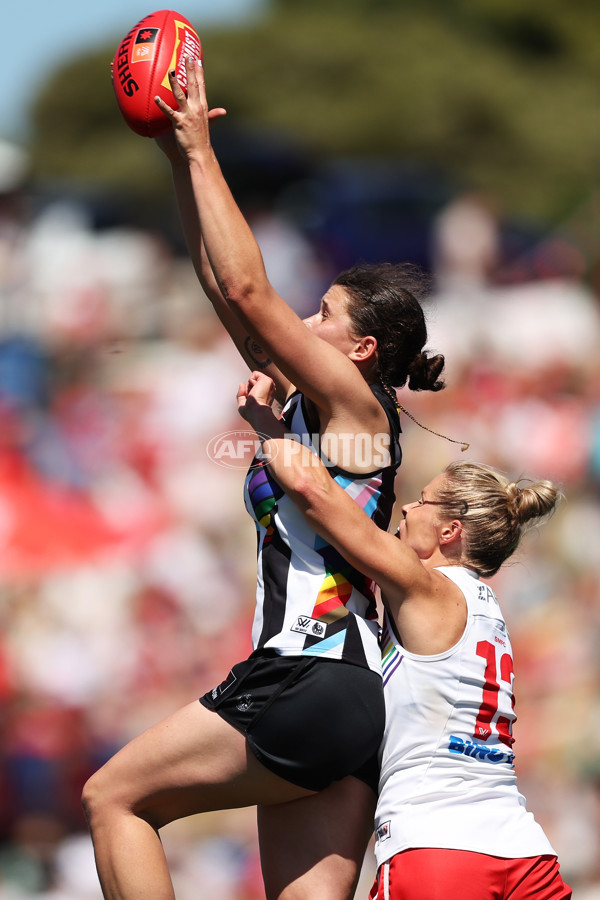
(448, 777)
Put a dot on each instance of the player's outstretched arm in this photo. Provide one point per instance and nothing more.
(322, 372)
(252, 353)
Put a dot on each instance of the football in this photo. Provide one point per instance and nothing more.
(159, 42)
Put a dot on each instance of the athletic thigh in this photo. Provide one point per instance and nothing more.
(313, 848)
(191, 762)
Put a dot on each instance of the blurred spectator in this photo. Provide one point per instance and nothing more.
(466, 243)
(294, 268)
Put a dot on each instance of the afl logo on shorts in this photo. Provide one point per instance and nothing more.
(244, 703)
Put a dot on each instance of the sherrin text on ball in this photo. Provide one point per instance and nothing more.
(159, 43)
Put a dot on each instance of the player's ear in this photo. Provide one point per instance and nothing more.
(364, 349)
(451, 531)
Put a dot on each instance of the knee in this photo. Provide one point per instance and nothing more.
(107, 796)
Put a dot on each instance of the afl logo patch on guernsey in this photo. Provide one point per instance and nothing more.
(308, 625)
(384, 832)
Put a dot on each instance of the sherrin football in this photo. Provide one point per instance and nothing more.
(158, 43)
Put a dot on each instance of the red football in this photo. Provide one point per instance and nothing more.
(158, 43)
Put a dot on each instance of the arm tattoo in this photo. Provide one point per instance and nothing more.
(255, 351)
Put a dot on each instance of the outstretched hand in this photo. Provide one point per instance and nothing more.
(190, 121)
(254, 395)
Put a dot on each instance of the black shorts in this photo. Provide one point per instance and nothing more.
(310, 720)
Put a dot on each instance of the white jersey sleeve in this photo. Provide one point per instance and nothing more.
(448, 778)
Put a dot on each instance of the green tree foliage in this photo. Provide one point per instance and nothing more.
(499, 94)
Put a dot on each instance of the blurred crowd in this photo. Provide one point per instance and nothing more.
(127, 560)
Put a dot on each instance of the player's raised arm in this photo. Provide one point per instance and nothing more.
(250, 350)
(159, 43)
(329, 377)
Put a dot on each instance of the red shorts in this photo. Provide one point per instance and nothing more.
(431, 874)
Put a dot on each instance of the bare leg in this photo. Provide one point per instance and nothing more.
(313, 848)
(191, 762)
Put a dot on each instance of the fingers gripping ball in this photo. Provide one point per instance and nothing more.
(158, 43)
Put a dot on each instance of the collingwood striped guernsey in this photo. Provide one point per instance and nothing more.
(309, 600)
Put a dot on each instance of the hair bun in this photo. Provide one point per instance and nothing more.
(532, 501)
(424, 372)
